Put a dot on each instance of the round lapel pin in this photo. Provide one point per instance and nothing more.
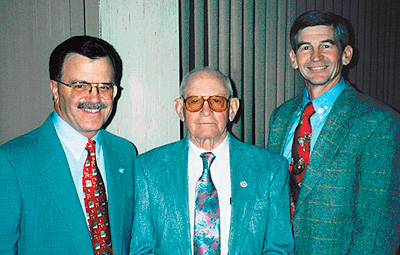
(243, 184)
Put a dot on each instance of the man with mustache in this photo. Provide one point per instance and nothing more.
(343, 149)
(67, 187)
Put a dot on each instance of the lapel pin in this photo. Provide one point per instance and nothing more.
(243, 184)
(121, 170)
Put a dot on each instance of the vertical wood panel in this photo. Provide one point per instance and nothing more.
(394, 29)
(360, 41)
(184, 43)
(236, 55)
(294, 87)
(259, 73)
(199, 32)
(271, 59)
(77, 12)
(381, 48)
(248, 71)
(388, 51)
(281, 52)
(367, 53)
(29, 31)
(224, 36)
(92, 17)
(397, 54)
(253, 45)
(337, 7)
(212, 13)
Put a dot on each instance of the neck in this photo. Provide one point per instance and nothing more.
(315, 91)
(208, 143)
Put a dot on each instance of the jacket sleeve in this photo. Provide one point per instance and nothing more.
(377, 199)
(10, 207)
(278, 237)
(143, 241)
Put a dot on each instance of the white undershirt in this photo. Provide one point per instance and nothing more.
(221, 177)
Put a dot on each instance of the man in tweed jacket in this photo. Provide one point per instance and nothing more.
(349, 197)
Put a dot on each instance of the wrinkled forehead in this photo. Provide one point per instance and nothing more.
(208, 82)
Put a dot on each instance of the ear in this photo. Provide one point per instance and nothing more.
(233, 108)
(178, 106)
(54, 90)
(347, 55)
(293, 59)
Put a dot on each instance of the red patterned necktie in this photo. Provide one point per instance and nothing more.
(96, 204)
(300, 154)
(207, 215)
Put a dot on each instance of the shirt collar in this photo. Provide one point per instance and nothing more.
(72, 139)
(326, 100)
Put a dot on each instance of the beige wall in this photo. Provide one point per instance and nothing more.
(29, 32)
(145, 33)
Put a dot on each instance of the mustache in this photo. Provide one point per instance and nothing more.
(92, 106)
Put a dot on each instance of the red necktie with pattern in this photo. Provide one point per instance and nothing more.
(207, 218)
(96, 204)
(300, 154)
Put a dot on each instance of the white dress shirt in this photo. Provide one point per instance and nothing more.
(221, 177)
(74, 144)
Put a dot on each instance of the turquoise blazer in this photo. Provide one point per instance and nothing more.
(40, 209)
(349, 202)
(260, 212)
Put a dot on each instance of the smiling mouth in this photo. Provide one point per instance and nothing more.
(90, 110)
(318, 68)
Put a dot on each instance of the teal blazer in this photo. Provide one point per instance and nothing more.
(40, 212)
(260, 212)
(349, 200)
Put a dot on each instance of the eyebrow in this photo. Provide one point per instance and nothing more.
(324, 41)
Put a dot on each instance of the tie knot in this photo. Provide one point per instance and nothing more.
(90, 145)
(309, 109)
(208, 158)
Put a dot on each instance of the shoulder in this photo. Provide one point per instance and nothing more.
(286, 109)
(294, 102)
(259, 154)
(117, 140)
(369, 108)
(24, 143)
(164, 151)
(121, 146)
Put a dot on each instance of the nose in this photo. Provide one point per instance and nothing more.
(206, 110)
(93, 95)
(316, 55)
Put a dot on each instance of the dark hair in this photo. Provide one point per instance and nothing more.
(87, 46)
(317, 18)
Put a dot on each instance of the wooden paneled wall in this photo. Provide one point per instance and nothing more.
(249, 41)
(29, 31)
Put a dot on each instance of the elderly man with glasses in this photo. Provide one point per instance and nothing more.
(210, 193)
(67, 187)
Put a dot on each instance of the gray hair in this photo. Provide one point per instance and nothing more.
(224, 78)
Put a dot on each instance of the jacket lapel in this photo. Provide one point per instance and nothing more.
(177, 202)
(279, 132)
(244, 186)
(115, 192)
(57, 180)
(329, 141)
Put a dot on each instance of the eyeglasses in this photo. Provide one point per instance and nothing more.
(81, 89)
(216, 103)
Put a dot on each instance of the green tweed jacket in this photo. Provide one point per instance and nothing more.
(349, 202)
